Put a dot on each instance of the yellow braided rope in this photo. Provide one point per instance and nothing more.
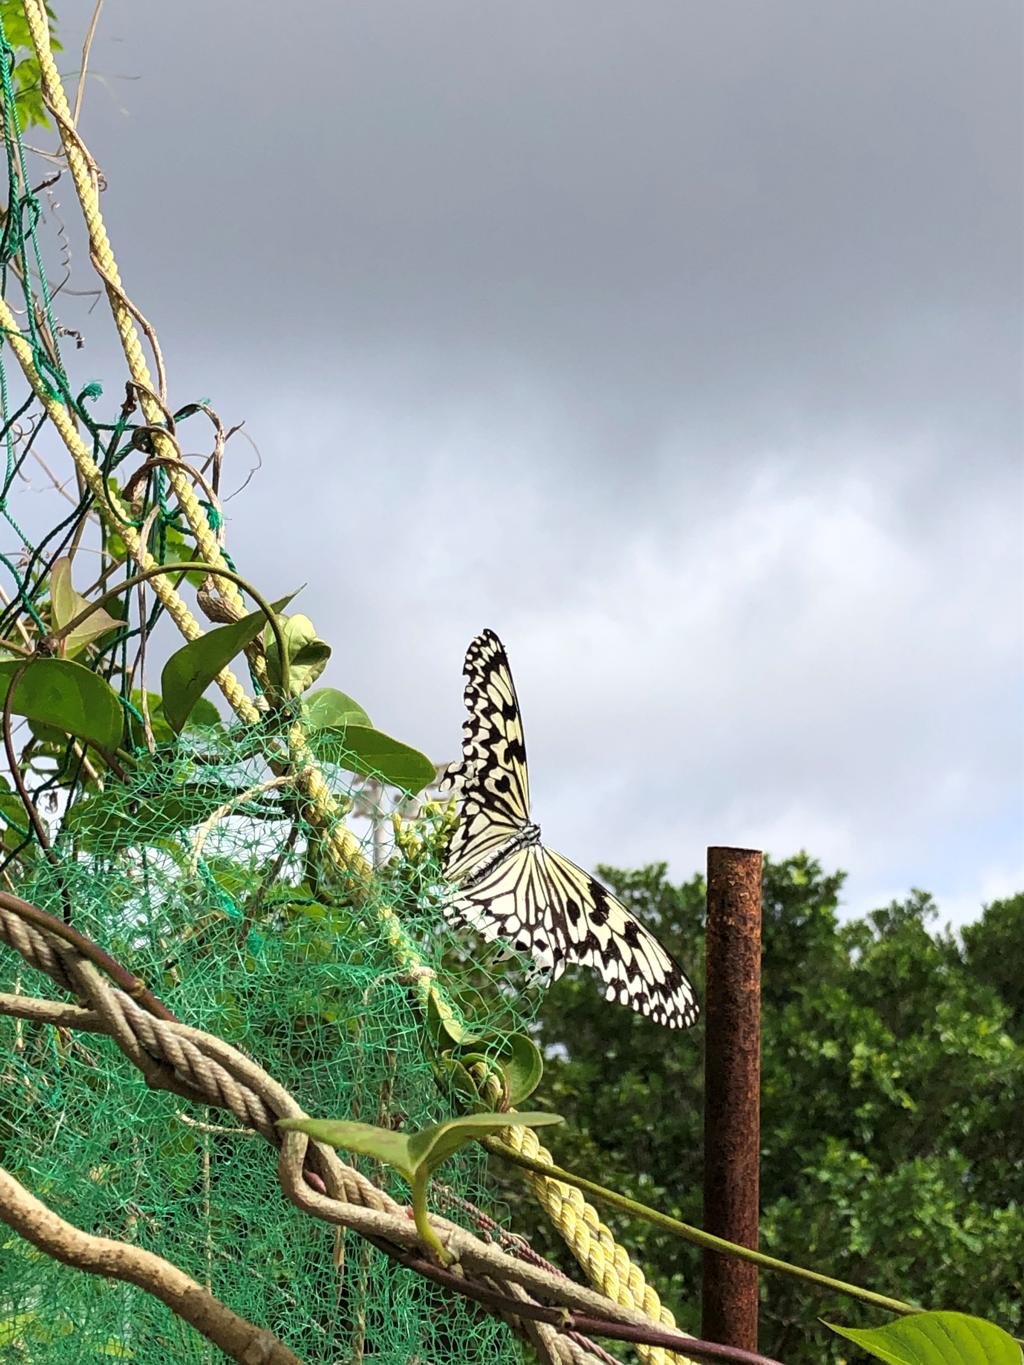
(92, 475)
(342, 845)
(606, 1264)
(84, 175)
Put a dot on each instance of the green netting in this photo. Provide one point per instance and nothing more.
(189, 867)
(210, 901)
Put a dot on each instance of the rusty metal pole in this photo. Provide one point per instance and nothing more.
(732, 1091)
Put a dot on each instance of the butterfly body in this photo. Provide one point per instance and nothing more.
(527, 837)
(508, 885)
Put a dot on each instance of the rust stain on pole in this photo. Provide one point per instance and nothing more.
(732, 1091)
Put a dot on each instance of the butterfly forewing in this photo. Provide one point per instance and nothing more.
(491, 780)
(512, 888)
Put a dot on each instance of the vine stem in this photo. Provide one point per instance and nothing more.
(696, 1235)
(568, 1320)
(184, 567)
(418, 1182)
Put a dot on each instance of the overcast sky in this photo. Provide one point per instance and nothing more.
(678, 343)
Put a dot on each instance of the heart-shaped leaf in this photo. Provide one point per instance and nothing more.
(190, 670)
(935, 1339)
(327, 708)
(67, 696)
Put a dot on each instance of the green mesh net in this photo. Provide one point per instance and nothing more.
(195, 870)
(211, 901)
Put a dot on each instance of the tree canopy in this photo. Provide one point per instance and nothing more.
(893, 1089)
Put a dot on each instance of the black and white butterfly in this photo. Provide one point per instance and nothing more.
(508, 885)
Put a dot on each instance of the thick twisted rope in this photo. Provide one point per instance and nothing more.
(324, 810)
(605, 1263)
(203, 1068)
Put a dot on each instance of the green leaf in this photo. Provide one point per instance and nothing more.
(49, 735)
(307, 653)
(361, 749)
(115, 546)
(117, 1349)
(172, 546)
(458, 1076)
(206, 714)
(67, 696)
(135, 731)
(935, 1339)
(190, 670)
(523, 1068)
(327, 708)
(517, 1058)
(443, 1025)
(65, 601)
(66, 604)
(430, 1146)
(96, 824)
(12, 809)
(364, 1138)
(458, 1048)
(13, 1327)
(99, 623)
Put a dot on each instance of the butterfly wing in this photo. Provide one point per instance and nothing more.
(548, 907)
(636, 969)
(491, 780)
(512, 902)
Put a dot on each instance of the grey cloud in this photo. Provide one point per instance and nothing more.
(730, 215)
(679, 342)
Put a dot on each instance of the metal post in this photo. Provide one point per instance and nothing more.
(732, 1081)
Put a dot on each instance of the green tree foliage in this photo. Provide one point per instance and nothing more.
(993, 955)
(893, 1095)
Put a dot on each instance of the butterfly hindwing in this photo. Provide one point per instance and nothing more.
(545, 905)
(635, 968)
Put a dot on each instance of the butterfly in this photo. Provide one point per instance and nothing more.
(507, 885)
